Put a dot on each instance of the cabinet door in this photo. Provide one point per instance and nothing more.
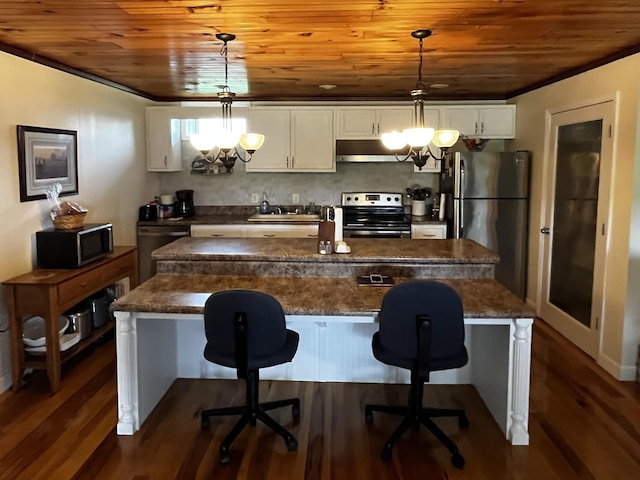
(313, 141)
(164, 152)
(394, 119)
(498, 122)
(238, 231)
(464, 119)
(428, 232)
(495, 121)
(283, 230)
(356, 123)
(369, 123)
(275, 154)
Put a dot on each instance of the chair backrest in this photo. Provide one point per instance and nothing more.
(265, 322)
(403, 303)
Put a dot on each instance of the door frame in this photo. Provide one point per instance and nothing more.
(548, 173)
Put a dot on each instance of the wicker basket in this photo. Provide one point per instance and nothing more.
(68, 222)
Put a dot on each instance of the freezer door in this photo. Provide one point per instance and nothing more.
(492, 175)
(501, 226)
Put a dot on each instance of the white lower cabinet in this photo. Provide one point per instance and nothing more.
(283, 231)
(428, 231)
(222, 230)
(276, 230)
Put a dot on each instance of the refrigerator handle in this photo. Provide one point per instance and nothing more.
(461, 202)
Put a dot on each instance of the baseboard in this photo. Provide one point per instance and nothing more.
(624, 373)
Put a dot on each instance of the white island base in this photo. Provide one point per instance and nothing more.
(153, 349)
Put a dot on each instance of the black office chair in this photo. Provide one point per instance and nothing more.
(246, 330)
(422, 330)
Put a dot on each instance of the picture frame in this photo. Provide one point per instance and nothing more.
(46, 156)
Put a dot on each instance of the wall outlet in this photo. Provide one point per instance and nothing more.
(295, 198)
(255, 198)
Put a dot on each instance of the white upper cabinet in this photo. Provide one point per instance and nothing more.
(497, 121)
(164, 150)
(368, 123)
(297, 140)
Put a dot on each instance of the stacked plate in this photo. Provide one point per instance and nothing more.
(33, 335)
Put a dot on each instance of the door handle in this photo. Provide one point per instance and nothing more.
(545, 230)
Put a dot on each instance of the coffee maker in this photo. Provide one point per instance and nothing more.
(184, 205)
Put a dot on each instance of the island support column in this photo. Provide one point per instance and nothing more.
(519, 431)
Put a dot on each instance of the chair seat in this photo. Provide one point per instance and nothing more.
(384, 355)
(285, 354)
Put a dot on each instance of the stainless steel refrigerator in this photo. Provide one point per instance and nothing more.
(489, 203)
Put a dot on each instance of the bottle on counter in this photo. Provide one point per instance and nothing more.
(264, 205)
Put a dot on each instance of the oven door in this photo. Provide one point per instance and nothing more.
(376, 233)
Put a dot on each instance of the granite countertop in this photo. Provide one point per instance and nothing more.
(482, 298)
(379, 250)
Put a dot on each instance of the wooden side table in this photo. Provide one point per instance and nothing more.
(48, 293)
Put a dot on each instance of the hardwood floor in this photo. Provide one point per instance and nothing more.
(584, 425)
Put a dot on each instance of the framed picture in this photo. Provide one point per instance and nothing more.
(46, 156)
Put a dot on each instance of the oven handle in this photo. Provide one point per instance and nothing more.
(376, 234)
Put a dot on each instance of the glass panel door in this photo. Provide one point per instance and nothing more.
(576, 217)
(574, 220)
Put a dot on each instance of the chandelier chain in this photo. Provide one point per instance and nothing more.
(223, 53)
(419, 84)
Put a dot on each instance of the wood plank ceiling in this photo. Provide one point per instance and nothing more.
(285, 49)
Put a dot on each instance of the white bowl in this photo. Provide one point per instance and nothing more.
(33, 334)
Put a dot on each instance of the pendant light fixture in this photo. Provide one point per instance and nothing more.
(418, 137)
(225, 139)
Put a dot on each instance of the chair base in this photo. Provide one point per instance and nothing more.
(414, 417)
(251, 412)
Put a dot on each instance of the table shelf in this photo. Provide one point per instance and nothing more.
(49, 293)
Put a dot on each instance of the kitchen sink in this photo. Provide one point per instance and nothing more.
(284, 217)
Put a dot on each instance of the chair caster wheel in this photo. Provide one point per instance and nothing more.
(204, 423)
(292, 444)
(457, 460)
(385, 454)
(225, 459)
(463, 421)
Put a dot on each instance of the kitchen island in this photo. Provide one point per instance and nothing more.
(160, 331)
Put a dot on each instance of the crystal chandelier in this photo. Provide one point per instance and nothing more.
(225, 139)
(418, 137)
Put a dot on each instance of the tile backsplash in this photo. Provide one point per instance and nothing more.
(321, 188)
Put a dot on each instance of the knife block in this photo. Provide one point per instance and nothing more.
(326, 232)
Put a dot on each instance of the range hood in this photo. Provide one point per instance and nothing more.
(363, 151)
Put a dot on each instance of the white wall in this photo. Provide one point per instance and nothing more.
(621, 329)
(113, 180)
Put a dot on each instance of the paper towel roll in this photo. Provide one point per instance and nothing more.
(443, 198)
(337, 218)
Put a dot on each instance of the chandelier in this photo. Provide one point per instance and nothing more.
(418, 137)
(225, 139)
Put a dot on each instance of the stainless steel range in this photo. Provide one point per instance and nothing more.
(374, 215)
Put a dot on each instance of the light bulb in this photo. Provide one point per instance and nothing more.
(251, 141)
(445, 138)
(202, 142)
(418, 137)
(226, 138)
(393, 140)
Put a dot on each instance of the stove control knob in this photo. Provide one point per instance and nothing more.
(356, 198)
(348, 199)
(388, 199)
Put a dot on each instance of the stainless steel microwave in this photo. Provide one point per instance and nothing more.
(75, 247)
